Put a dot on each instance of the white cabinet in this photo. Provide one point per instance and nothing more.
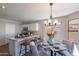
(33, 26)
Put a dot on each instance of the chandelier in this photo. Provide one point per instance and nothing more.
(49, 21)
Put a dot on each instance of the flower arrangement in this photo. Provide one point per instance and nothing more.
(51, 34)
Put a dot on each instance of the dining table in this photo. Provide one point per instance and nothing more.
(56, 47)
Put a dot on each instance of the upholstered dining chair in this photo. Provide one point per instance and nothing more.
(69, 45)
(35, 51)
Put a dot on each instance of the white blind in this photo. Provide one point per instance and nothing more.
(37, 27)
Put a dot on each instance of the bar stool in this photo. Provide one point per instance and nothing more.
(25, 43)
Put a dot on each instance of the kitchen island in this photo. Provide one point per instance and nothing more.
(14, 44)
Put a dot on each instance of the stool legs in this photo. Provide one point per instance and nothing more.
(20, 49)
(25, 50)
(51, 53)
(30, 50)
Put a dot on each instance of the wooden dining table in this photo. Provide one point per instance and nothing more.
(54, 50)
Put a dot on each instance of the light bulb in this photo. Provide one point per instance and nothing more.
(49, 21)
(56, 22)
(45, 22)
(59, 23)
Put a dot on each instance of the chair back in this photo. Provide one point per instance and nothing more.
(34, 49)
(69, 45)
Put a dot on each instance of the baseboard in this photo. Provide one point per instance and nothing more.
(4, 54)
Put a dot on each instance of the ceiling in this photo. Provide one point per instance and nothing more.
(35, 11)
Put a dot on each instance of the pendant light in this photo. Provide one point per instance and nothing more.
(49, 21)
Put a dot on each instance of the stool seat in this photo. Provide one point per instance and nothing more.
(26, 42)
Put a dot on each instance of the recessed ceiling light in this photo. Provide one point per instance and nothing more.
(3, 7)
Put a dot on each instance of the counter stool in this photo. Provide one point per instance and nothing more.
(25, 43)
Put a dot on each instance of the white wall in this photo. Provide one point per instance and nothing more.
(41, 28)
(3, 29)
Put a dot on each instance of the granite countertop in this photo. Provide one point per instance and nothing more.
(20, 39)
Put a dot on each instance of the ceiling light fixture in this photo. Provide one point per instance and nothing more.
(49, 21)
(3, 6)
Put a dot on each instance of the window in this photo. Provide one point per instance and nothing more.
(37, 27)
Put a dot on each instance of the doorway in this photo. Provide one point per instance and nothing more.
(73, 30)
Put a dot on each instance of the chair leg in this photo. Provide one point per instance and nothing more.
(55, 54)
(51, 53)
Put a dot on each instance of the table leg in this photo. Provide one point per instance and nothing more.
(51, 53)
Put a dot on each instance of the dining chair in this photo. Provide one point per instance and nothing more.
(34, 51)
(69, 45)
(37, 52)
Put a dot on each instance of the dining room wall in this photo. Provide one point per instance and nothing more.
(63, 28)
